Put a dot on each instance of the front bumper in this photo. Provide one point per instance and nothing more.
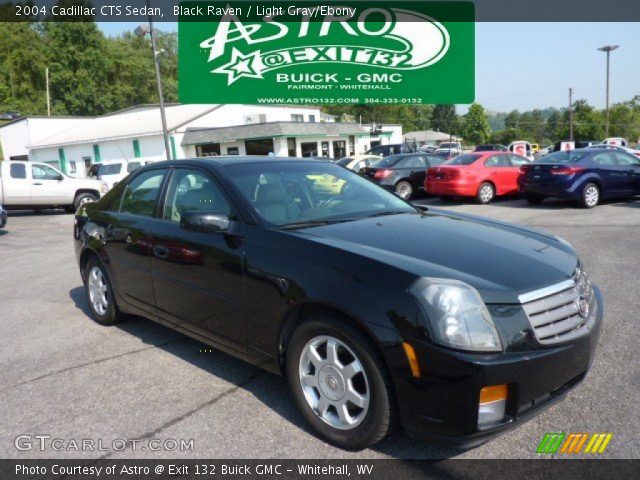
(3, 218)
(442, 405)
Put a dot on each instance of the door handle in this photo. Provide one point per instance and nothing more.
(37, 183)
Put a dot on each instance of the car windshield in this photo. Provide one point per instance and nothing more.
(465, 159)
(448, 145)
(570, 156)
(109, 169)
(303, 194)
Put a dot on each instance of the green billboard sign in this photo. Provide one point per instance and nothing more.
(401, 52)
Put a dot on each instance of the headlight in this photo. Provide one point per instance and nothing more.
(585, 291)
(456, 314)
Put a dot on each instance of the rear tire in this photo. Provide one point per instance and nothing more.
(404, 190)
(323, 387)
(486, 193)
(534, 199)
(590, 195)
(100, 296)
(83, 198)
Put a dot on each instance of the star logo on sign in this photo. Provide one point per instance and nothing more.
(241, 66)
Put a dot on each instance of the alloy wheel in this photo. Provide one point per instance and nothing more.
(486, 193)
(403, 190)
(591, 196)
(334, 382)
(98, 291)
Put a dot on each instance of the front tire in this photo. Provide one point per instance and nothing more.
(340, 383)
(486, 193)
(404, 190)
(100, 294)
(83, 198)
(590, 195)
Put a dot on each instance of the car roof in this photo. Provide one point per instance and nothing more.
(239, 160)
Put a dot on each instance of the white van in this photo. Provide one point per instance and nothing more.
(113, 172)
(522, 148)
(616, 142)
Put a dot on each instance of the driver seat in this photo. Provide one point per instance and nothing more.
(275, 205)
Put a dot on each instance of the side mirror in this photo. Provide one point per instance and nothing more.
(60, 178)
(213, 221)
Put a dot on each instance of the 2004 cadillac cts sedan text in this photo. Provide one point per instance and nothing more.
(379, 313)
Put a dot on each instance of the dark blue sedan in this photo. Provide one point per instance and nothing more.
(585, 175)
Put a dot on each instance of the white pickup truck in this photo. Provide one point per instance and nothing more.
(30, 185)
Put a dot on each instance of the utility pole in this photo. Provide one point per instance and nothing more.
(46, 75)
(608, 49)
(570, 114)
(141, 31)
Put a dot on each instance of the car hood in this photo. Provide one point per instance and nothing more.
(502, 261)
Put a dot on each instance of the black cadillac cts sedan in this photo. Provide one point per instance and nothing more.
(379, 313)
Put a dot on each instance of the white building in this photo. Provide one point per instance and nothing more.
(74, 143)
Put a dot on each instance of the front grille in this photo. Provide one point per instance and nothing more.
(554, 312)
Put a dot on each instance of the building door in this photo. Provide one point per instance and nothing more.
(291, 146)
(339, 149)
(259, 147)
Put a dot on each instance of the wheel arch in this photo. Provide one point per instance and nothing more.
(80, 191)
(301, 312)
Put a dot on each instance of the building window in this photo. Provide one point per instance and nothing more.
(259, 147)
(87, 163)
(136, 148)
(19, 158)
(309, 149)
(312, 118)
(233, 151)
(208, 150)
(291, 146)
(297, 118)
(96, 153)
(72, 166)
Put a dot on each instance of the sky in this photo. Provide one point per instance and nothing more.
(532, 65)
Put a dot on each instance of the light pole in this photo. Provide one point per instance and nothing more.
(608, 49)
(141, 31)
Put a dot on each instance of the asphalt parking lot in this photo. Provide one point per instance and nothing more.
(65, 376)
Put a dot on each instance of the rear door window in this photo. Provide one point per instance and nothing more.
(141, 194)
(625, 159)
(497, 161)
(18, 171)
(605, 159)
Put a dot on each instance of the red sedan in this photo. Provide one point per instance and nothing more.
(482, 175)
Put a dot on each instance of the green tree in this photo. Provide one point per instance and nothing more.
(445, 119)
(476, 125)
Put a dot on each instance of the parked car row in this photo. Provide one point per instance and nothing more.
(586, 175)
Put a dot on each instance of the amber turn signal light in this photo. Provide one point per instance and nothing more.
(412, 359)
(493, 393)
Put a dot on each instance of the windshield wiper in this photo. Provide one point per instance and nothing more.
(311, 223)
(388, 212)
